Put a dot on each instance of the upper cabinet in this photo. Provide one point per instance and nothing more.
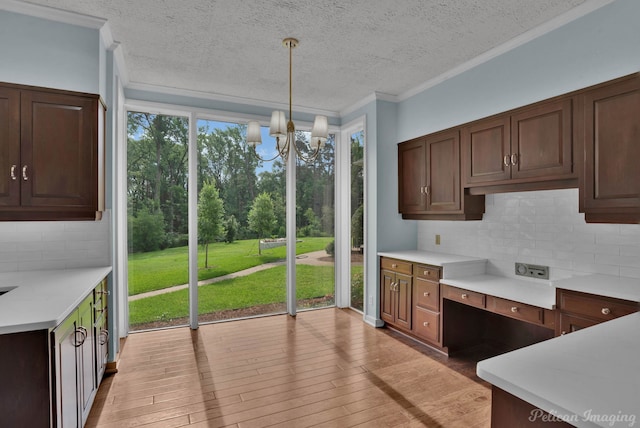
(610, 183)
(51, 154)
(429, 180)
(533, 144)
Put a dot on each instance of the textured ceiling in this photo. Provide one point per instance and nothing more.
(348, 48)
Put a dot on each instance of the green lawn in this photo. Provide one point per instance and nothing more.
(161, 269)
(260, 288)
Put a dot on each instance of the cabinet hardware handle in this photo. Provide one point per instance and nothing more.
(13, 172)
(514, 159)
(563, 333)
(24, 173)
(104, 336)
(426, 190)
(505, 160)
(514, 309)
(426, 273)
(426, 323)
(426, 294)
(83, 336)
(464, 296)
(605, 311)
(393, 265)
(422, 189)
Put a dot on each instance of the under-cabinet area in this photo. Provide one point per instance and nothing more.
(55, 324)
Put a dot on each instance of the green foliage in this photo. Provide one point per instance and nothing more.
(210, 217)
(331, 248)
(146, 231)
(259, 288)
(357, 227)
(161, 269)
(357, 287)
(312, 227)
(262, 218)
(231, 226)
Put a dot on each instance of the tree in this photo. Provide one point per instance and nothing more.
(210, 217)
(232, 229)
(146, 231)
(261, 217)
(357, 227)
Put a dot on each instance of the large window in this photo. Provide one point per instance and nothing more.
(157, 149)
(241, 205)
(357, 220)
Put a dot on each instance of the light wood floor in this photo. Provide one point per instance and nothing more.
(323, 368)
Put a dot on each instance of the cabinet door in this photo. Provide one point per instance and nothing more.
(404, 298)
(387, 311)
(541, 141)
(59, 151)
(571, 323)
(87, 357)
(486, 151)
(412, 177)
(9, 147)
(612, 146)
(443, 172)
(67, 339)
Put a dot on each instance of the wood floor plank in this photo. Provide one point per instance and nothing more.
(323, 368)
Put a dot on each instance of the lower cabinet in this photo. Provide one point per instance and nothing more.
(396, 292)
(579, 310)
(50, 377)
(74, 357)
(410, 298)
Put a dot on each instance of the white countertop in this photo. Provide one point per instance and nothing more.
(43, 299)
(604, 285)
(593, 371)
(534, 292)
(453, 265)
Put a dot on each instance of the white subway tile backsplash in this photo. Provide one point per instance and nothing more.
(542, 227)
(54, 245)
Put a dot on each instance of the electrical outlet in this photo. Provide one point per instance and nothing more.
(437, 239)
(533, 271)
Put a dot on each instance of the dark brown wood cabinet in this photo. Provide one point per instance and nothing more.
(610, 182)
(429, 180)
(396, 292)
(426, 309)
(531, 146)
(52, 155)
(578, 310)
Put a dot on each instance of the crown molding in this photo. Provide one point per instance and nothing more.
(375, 96)
(52, 14)
(226, 98)
(557, 22)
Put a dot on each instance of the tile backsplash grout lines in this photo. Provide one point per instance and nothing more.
(540, 227)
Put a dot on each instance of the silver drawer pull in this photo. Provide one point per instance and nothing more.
(464, 296)
(605, 311)
(426, 273)
(505, 160)
(25, 177)
(13, 172)
(426, 323)
(514, 309)
(426, 294)
(393, 265)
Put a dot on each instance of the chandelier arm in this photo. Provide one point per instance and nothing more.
(307, 159)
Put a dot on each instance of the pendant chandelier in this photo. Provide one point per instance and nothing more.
(284, 131)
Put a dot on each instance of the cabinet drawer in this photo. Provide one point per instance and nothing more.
(461, 295)
(599, 307)
(516, 310)
(429, 273)
(427, 294)
(396, 265)
(426, 324)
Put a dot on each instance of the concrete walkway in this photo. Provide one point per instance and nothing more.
(312, 258)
